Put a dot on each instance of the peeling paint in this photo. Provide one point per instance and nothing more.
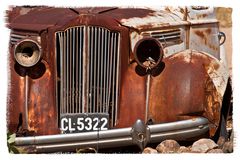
(219, 75)
(156, 19)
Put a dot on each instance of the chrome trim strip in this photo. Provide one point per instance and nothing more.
(178, 130)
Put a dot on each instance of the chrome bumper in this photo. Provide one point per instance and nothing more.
(139, 134)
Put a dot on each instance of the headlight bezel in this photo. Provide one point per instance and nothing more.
(25, 49)
(156, 44)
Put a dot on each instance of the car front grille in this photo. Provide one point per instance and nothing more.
(88, 70)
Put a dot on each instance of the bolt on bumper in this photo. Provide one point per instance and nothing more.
(140, 134)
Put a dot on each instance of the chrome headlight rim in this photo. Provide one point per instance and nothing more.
(35, 44)
(160, 56)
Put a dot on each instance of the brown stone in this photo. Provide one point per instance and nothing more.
(184, 149)
(149, 150)
(228, 147)
(215, 151)
(203, 145)
(168, 146)
(221, 142)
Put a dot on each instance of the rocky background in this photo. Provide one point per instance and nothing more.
(201, 146)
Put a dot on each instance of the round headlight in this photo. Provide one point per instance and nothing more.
(27, 53)
(148, 52)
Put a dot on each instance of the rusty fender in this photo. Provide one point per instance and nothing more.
(191, 84)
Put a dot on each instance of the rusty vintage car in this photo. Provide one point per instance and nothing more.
(106, 77)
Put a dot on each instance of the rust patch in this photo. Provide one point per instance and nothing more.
(126, 13)
(40, 18)
(93, 10)
(208, 31)
(216, 66)
(196, 98)
(133, 97)
(200, 34)
(170, 90)
(213, 102)
(15, 101)
(201, 16)
(204, 35)
(182, 10)
(40, 109)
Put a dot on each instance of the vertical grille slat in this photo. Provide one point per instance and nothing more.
(113, 76)
(70, 71)
(104, 68)
(101, 75)
(88, 70)
(60, 38)
(94, 69)
(108, 69)
(117, 79)
(77, 71)
(83, 71)
(74, 71)
(80, 71)
(91, 69)
(98, 68)
(67, 70)
(64, 105)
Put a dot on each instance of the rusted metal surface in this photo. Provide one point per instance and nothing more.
(33, 96)
(201, 13)
(126, 13)
(38, 102)
(15, 102)
(41, 18)
(206, 36)
(155, 19)
(170, 47)
(14, 12)
(138, 18)
(93, 10)
(132, 97)
(189, 88)
(187, 83)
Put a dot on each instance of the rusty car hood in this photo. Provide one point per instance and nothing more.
(41, 17)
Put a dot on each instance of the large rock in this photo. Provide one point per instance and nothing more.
(203, 146)
(168, 146)
(149, 150)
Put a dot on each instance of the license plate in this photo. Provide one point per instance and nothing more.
(84, 122)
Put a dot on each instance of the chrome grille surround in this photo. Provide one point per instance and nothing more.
(88, 70)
